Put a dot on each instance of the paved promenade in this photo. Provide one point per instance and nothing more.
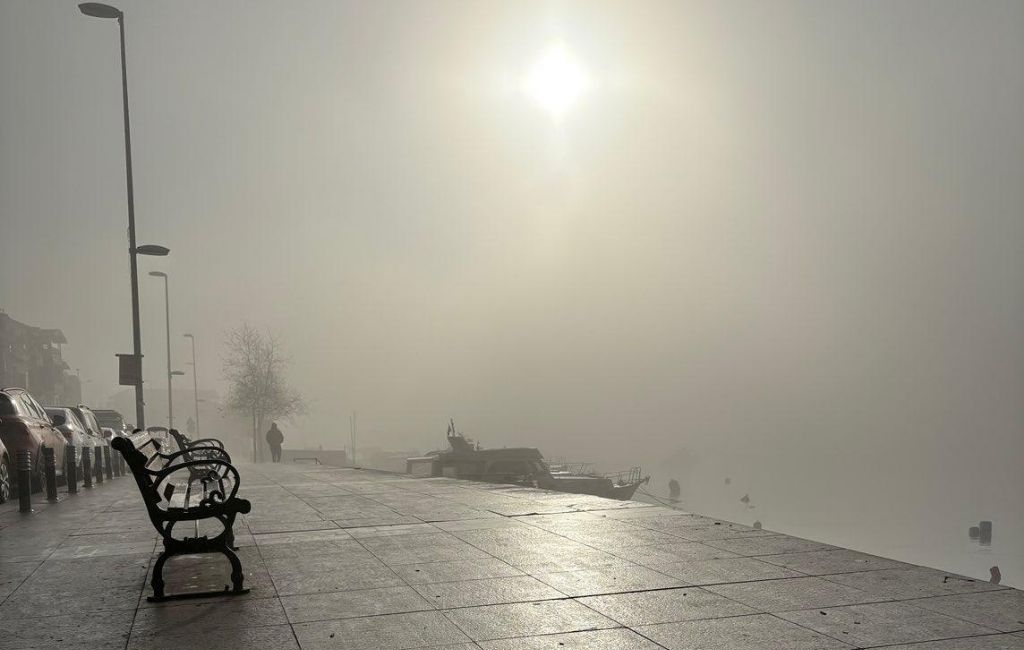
(355, 559)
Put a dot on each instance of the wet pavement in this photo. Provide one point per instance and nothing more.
(355, 559)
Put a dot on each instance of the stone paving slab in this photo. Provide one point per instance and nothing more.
(999, 610)
(881, 624)
(355, 559)
(753, 632)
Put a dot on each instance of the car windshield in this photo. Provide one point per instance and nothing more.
(28, 406)
(94, 425)
(75, 420)
(81, 415)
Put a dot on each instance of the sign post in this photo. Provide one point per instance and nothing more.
(129, 369)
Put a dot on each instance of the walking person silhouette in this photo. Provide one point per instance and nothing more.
(274, 439)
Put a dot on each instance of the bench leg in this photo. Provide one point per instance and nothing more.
(237, 577)
(158, 577)
(229, 532)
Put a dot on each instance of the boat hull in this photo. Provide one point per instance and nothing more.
(594, 485)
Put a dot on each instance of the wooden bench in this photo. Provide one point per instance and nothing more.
(179, 488)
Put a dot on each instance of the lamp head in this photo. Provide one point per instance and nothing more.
(177, 372)
(152, 249)
(158, 274)
(99, 10)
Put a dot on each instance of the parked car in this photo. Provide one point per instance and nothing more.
(24, 425)
(92, 425)
(113, 419)
(6, 472)
(72, 428)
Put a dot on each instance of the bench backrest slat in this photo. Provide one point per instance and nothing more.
(138, 463)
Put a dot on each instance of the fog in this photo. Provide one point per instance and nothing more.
(779, 243)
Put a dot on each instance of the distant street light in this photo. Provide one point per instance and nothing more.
(195, 380)
(81, 385)
(98, 10)
(171, 375)
(167, 312)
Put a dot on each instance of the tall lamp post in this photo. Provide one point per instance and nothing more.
(195, 380)
(170, 373)
(98, 10)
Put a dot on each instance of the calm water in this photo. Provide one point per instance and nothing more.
(868, 504)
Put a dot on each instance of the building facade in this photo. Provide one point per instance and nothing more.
(30, 358)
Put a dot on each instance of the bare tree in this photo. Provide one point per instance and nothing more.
(254, 366)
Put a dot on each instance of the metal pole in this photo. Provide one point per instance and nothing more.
(167, 307)
(140, 409)
(195, 382)
(352, 433)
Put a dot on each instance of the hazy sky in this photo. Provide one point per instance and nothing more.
(775, 226)
(782, 242)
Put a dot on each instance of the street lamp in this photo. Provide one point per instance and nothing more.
(167, 312)
(81, 386)
(98, 10)
(195, 381)
(171, 375)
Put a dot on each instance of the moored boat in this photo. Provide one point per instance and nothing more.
(465, 459)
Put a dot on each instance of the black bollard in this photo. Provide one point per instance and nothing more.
(97, 465)
(106, 463)
(71, 472)
(24, 460)
(87, 466)
(50, 469)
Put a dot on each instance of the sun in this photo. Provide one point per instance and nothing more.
(555, 81)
